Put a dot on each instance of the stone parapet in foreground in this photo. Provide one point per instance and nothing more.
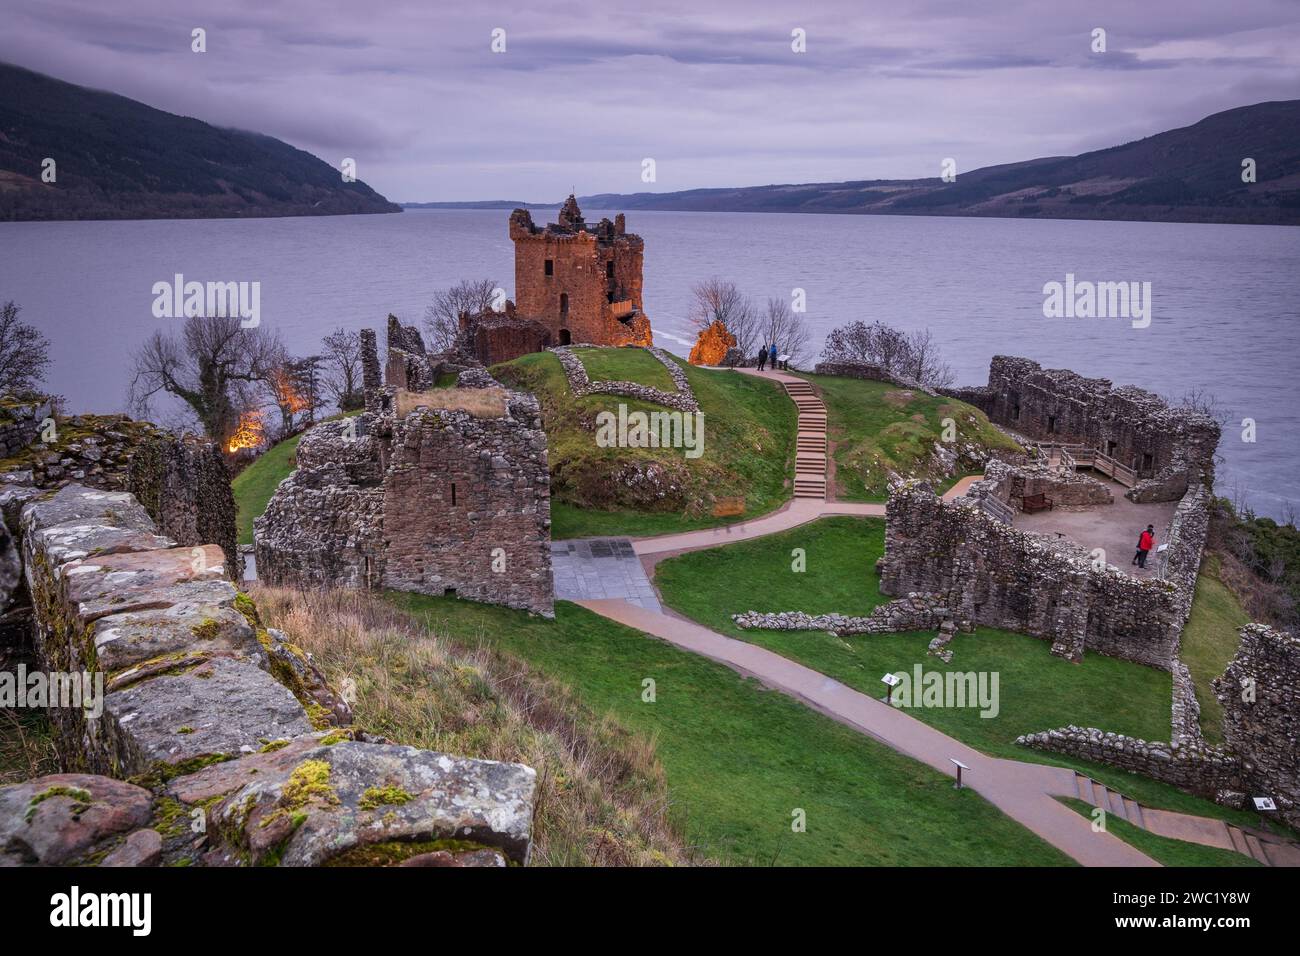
(216, 741)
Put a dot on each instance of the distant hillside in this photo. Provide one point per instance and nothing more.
(1184, 175)
(119, 159)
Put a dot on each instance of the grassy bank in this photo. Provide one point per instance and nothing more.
(254, 486)
(745, 467)
(1210, 641)
(603, 799)
(877, 428)
(740, 760)
(1037, 691)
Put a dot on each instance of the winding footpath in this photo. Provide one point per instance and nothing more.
(1026, 792)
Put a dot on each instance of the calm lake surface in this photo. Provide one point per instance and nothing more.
(1226, 299)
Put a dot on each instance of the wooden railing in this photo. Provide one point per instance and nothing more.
(1084, 456)
(622, 309)
(996, 508)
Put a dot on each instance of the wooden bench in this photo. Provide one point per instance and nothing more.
(1031, 503)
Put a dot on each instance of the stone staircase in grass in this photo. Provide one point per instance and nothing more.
(1264, 848)
(810, 443)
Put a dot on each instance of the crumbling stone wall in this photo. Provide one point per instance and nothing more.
(583, 283)
(1260, 693)
(324, 526)
(1168, 448)
(433, 492)
(467, 507)
(1000, 576)
(218, 719)
(1065, 489)
(494, 337)
(184, 485)
(408, 364)
(20, 422)
(1205, 771)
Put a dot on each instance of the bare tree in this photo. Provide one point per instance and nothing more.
(924, 362)
(1203, 402)
(214, 366)
(717, 300)
(786, 330)
(342, 372)
(915, 355)
(294, 388)
(24, 353)
(442, 316)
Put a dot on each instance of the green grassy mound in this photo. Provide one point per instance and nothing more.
(740, 759)
(749, 430)
(625, 365)
(878, 428)
(1165, 851)
(1037, 691)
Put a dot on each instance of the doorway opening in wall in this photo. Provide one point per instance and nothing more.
(1148, 462)
(448, 592)
(453, 492)
(565, 337)
(1051, 424)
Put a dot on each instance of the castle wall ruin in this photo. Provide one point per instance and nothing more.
(998, 576)
(1168, 448)
(435, 491)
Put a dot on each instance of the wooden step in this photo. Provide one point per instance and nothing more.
(1084, 786)
(1133, 813)
(1116, 804)
(1256, 851)
(1238, 840)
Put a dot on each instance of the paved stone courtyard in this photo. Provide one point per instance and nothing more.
(588, 569)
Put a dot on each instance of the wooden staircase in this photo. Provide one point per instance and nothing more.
(810, 442)
(1264, 848)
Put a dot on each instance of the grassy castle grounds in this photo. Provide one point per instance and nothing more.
(710, 766)
(1038, 691)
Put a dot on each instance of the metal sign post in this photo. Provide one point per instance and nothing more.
(960, 767)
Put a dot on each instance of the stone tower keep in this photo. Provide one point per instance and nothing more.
(581, 282)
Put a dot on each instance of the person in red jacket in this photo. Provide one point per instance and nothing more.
(1146, 541)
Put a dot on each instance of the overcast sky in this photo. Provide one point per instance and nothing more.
(710, 89)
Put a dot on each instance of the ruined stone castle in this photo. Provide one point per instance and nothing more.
(431, 490)
(1166, 448)
(574, 282)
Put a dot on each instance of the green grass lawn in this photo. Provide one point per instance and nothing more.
(625, 365)
(1037, 691)
(1163, 850)
(254, 486)
(1210, 641)
(877, 429)
(749, 431)
(741, 759)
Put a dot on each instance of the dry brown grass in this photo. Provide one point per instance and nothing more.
(479, 402)
(26, 746)
(602, 796)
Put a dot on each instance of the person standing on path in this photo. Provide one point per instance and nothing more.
(772, 356)
(762, 356)
(1146, 541)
